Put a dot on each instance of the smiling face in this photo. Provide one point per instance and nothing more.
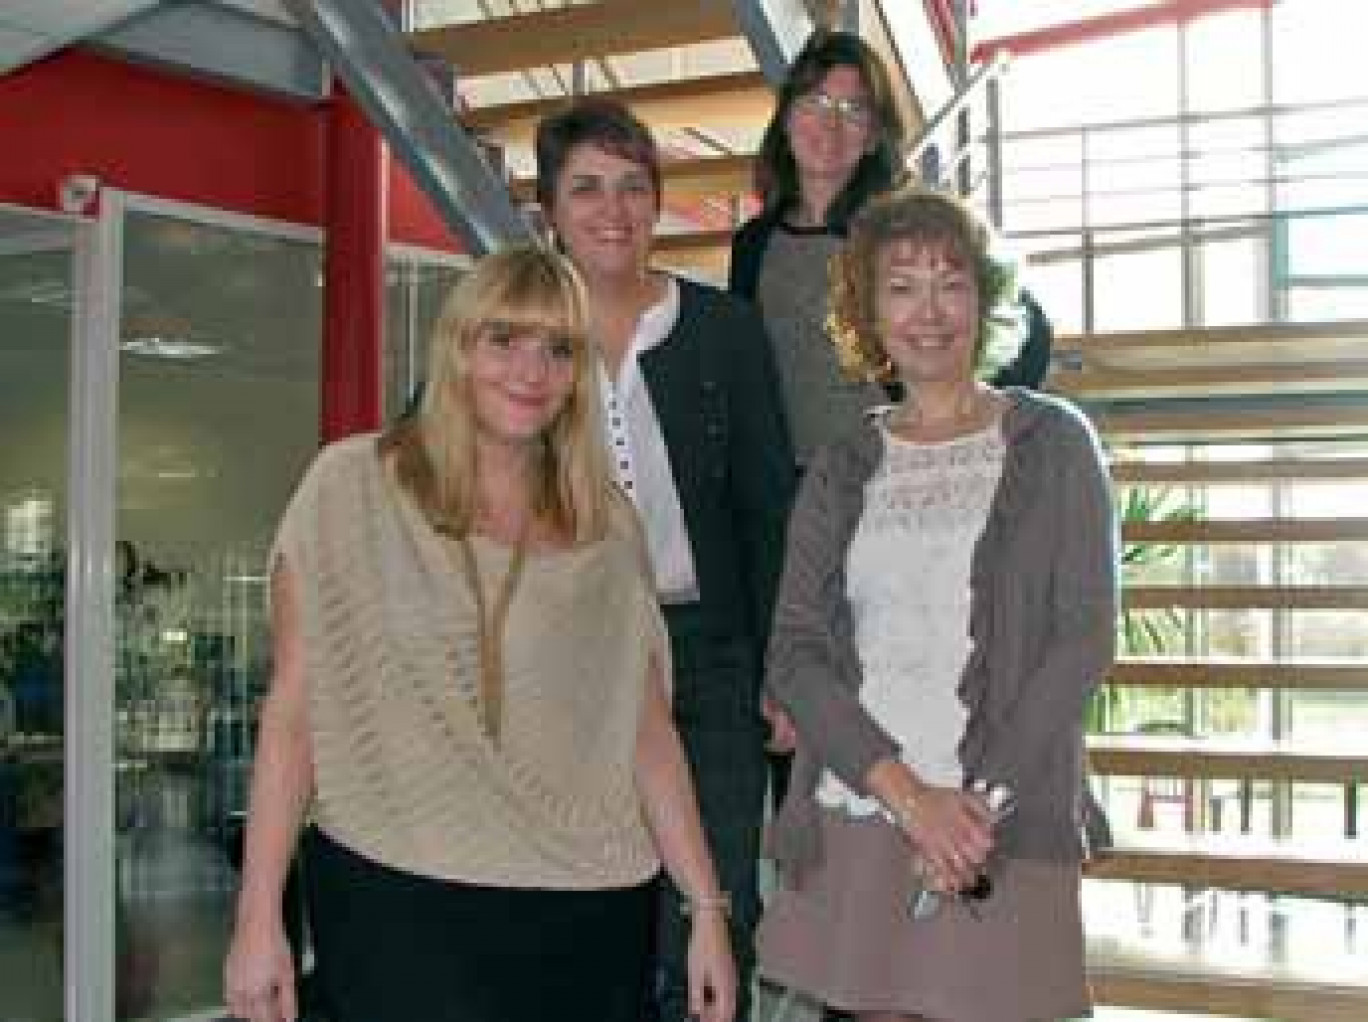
(927, 303)
(519, 381)
(832, 127)
(604, 210)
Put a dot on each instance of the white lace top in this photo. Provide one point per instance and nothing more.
(907, 579)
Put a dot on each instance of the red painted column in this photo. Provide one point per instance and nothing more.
(355, 227)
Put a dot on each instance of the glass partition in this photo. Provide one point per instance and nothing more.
(36, 302)
(416, 287)
(218, 415)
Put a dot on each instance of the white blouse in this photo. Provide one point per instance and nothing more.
(641, 461)
(907, 579)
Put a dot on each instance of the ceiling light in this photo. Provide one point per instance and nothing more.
(153, 346)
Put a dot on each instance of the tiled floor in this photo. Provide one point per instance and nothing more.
(178, 890)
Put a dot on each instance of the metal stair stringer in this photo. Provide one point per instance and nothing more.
(370, 56)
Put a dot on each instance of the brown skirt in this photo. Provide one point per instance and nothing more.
(845, 936)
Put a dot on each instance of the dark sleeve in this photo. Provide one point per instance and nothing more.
(802, 668)
(747, 250)
(1032, 363)
(1083, 605)
(761, 462)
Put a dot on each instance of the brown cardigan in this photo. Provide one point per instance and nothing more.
(1042, 619)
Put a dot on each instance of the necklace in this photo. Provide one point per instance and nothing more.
(490, 628)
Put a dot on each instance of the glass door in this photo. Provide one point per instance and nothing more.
(217, 410)
(37, 311)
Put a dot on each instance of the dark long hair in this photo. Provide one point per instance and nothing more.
(776, 171)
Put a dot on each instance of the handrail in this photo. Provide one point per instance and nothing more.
(372, 59)
(978, 80)
(984, 81)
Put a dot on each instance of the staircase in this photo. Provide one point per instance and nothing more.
(691, 71)
(1281, 407)
(699, 72)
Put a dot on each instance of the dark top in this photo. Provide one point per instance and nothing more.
(715, 390)
(1028, 369)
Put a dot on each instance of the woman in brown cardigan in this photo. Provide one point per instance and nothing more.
(947, 604)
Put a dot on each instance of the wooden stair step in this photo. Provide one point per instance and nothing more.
(564, 35)
(1216, 420)
(1163, 988)
(1303, 675)
(1092, 383)
(1238, 472)
(1319, 869)
(741, 98)
(1219, 597)
(1247, 530)
(1230, 758)
(700, 177)
(1263, 344)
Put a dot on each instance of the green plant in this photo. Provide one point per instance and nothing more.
(1151, 630)
(1144, 631)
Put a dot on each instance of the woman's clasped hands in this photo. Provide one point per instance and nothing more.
(951, 831)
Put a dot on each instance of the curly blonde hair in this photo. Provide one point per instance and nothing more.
(924, 215)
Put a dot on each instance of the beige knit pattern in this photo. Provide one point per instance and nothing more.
(403, 772)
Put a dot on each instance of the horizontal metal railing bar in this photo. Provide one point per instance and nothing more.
(1190, 154)
(1262, 110)
(1249, 218)
(977, 81)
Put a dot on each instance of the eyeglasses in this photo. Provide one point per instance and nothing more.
(855, 113)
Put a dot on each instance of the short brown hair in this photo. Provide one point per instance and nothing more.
(598, 121)
(922, 214)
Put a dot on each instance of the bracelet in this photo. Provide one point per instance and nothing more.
(695, 903)
(904, 812)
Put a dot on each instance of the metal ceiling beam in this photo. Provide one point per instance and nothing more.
(225, 42)
(776, 31)
(369, 54)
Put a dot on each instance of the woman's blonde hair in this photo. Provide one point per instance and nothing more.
(523, 288)
(925, 215)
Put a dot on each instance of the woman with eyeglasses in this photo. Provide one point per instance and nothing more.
(834, 141)
(947, 604)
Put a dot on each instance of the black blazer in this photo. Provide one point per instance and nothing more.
(715, 389)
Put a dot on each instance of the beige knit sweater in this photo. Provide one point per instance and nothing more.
(403, 772)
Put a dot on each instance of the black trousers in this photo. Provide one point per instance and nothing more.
(396, 947)
(717, 713)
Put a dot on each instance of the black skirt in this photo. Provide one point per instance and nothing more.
(392, 946)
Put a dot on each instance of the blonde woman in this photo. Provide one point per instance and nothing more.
(469, 703)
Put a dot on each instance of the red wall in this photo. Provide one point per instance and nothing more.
(166, 135)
